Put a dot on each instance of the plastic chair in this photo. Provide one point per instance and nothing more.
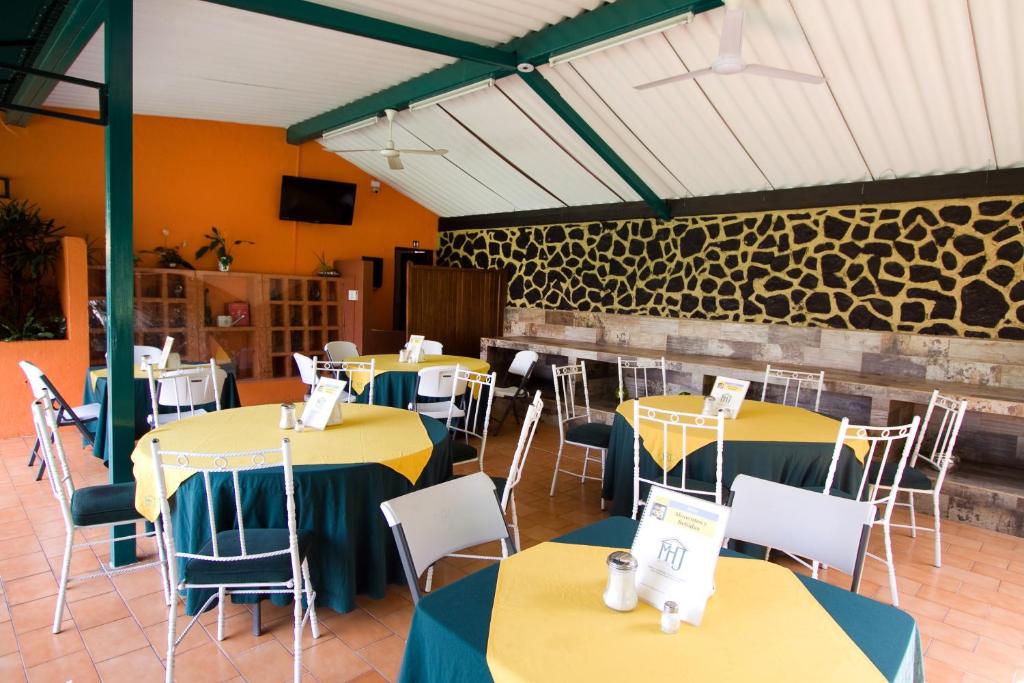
(439, 520)
(340, 350)
(184, 390)
(795, 380)
(307, 371)
(590, 436)
(349, 368)
(242, 559)
(432, 348)
(522, 366)
(829, 529)
(141, 352)
(438, 382)
(637, 369)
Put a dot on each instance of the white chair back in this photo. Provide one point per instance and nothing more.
(432, 348)
(950, 414)
(307, 369)
(36, 379)
(473, 392)
(186, 388)
(439, 381)
(529, 428)
(885, 446)
(349, 368)
(829, 529)
(637, 369)
(566, 378)
(151, 351)
(439, 520)
(340, 350)
(675, 434)
(792, 382)
(52, 447)
(523, 362)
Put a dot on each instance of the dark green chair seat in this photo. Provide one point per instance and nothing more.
(594, 434)
(462, 451)
(275, 569)
(913, 478)
(834, 492)
(104, 504)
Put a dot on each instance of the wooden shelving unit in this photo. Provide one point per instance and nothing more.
(305, 314)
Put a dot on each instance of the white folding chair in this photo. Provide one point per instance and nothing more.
(590, 436)
(348, 368)
(792, 382)
(185, 390)
(432, 348)
(152, 352)
(340, 350)
(437, 521)
(673, 435)
(950, 414)
(439, 384)
(90, 507)
(884, 453)
(307, 371)
(469, 414)
(637, 369)
(66, 414)
(522, 366)
(828, 529)
(277, 556)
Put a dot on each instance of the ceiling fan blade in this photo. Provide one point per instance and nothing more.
(348, 151)
(786, 74)
(732, 32)
(424, 151)
(690, 75)
(395, 163)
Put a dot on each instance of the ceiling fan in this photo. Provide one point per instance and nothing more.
(389, 151)
(729, 60)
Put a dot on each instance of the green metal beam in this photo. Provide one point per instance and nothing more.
(76, 27)
(357, 24)
(120, 262)
(558, 104)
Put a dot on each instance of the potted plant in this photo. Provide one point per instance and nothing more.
(221, 246)
(323, 268)
(29, 249)
(169, 257)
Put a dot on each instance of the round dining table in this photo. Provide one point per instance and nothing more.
(394, 383)
(770, 441)
(342, 474)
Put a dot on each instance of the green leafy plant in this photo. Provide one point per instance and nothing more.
(29, 249)
(323, 267)
(169, 257)
(221, 246)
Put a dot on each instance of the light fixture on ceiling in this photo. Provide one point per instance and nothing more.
(622, 39)
(350, 127)
(451, 94)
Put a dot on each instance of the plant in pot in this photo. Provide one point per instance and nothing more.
(29, 249)
(221, 246)
(169, 257)
(323, 267)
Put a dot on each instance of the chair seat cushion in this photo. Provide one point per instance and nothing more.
(167, 418)
(504, 392)
(85, 413)
(913, 478)
(594, 434)
(104, 504)
(462, 451)
(262, 570)
(439, 410)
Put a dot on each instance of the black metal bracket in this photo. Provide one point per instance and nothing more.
(101, 92)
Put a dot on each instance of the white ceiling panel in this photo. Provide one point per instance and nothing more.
(200, 60)
(998, 27)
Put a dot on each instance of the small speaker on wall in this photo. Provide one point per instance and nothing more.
(5, 188)
(378, 270)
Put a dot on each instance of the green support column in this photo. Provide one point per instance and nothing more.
(120, 262)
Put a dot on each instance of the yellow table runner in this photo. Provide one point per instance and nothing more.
(394, 438)
(757, 421)
(388, 362)
(549, 623)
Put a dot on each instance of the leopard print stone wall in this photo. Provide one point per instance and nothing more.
(946, 268)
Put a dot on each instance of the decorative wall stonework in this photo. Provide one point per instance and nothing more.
(951, 267)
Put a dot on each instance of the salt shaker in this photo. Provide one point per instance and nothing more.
(669, 617)
(299, 426)
(710, 406)
(620, 593)
(287, 416)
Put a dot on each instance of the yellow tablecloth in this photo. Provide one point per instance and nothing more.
(388, 362)
(549, 623)
(139, 374)
(757, 421)
(369, 434)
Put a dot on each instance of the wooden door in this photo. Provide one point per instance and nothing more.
(456, 306)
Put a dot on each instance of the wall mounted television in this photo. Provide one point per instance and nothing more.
(310, 200)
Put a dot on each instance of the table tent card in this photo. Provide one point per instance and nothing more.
(322, 402)
(676, 547)
(729, 394)
(414, 349)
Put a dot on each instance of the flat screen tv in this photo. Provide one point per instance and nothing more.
(310, 200)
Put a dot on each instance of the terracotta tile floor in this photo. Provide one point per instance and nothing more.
(971, 612)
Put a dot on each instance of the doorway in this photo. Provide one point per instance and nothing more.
(403, 257)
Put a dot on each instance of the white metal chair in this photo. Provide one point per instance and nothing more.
(185, 390)
(676, 434)
(950, 414)
(437, 521)
(439, 384)
(469, 414)
(66, 414)
(637, 369)
(828, 529)
(432, 348)
(91, 507)
(884, 453)
(340, 350)
(590, 436)
(349, 368)
(522, 367)
(239, 560)
(141, 352)
(794, 380)
(307, 371)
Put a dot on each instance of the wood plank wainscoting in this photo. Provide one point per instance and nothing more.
(456, 306)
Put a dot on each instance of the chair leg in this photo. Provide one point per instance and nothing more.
(430, 579)
(891, 567)
(603, 458)
(42, 469)
(913, 518)
(297, 637)
(504, 416)
(938, 536)
(558, 463)
(221, 595)
(62, 590)
(164, 567)
(814, 569)
(172, 615)
(35, 452)
(586, 461)
(314, 624)
(515, 521)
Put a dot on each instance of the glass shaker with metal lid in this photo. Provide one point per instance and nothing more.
(620, 593)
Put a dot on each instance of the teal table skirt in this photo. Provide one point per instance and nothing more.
(398, 389)
(448, 637)
(229, 399)
(353, 552)
(795, 464)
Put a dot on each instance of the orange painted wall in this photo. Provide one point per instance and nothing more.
(192, 174)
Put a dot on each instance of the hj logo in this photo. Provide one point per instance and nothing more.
(672, 552)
